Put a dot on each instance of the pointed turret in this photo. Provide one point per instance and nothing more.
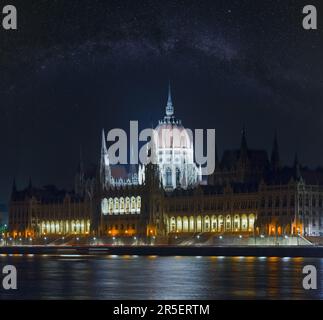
(169, 106)
(275, 161)
(133, 172)
(105, 172)
(104, 150)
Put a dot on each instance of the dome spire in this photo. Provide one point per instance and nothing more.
(169, 106)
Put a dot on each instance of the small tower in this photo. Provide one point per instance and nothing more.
(105, 171)
(169, 106)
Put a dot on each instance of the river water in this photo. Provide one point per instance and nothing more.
(154, 277)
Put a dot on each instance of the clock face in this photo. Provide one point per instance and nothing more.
(104, 206)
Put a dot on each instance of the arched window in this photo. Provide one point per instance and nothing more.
(185, 224)
(105, 206)
(173, 225)
(116, 205)
(192, 224)
(178, 177)
(110, 206)
(133, 204)
(138, 204)
(220, 225)
(121, 205)
(214, 223)
(228, 223)
(199, 224)
(236, 223)
(244, 223)
(168, 177)
(127, 208)
(179, 226)
(251, 221)
(206, 223)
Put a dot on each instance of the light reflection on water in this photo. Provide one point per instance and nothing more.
(154, 277)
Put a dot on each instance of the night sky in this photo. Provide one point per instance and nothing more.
(74, 67)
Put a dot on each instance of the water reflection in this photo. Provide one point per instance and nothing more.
(156, 277)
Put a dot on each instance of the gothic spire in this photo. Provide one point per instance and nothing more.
(103, 145)
(169, 106)
(133, 161)
(105, 172)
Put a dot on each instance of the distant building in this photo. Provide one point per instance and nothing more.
(247, 193)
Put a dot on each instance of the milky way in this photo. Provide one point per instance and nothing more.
(74, 67)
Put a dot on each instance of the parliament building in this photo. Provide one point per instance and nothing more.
(248, 193)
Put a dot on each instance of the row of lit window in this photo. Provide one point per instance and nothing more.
(121, 205)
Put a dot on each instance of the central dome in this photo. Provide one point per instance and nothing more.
(172, 135)
(175, 151)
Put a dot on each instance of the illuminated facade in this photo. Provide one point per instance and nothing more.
(175, 152)
(247, 193)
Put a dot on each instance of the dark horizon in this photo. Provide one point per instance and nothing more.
(71, 70)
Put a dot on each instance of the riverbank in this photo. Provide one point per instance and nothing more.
(256, 251)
